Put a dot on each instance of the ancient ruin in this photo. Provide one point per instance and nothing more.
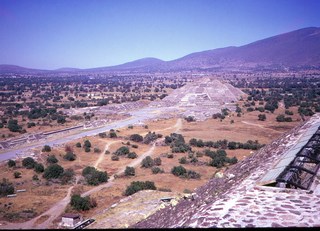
(201, 98)
(240, 198)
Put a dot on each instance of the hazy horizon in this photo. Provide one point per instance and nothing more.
(53, 34)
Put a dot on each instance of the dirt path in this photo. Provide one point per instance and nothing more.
(253, 124)
(58, 208)
(102, 155)
(52, 214)
(111, 179)
(178, 125)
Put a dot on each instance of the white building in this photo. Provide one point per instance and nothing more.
(70, 220)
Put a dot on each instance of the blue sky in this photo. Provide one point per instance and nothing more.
(50, 34)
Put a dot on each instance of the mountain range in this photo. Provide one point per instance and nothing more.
(299, 48)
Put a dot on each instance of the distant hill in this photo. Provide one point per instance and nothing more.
(140, 64)
(4, 68)
(297, 48)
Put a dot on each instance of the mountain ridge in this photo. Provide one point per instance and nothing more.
(296, 48)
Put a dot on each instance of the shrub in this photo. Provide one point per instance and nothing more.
(132, 155)
(6, 187)
(102, 135)
(170, 155)
(287, 112)
(192, 174)
(82, 203)
(151, 136)
(194, 160)
(200, 143)
(136, 186)
(38, 167)
(193, 142)
(232, 160)
(35, 177)
(112, 134)
(188, 191)
(46, 148)
(28, 162)
(114, 158)
(96, 150)
(107, 152)
(70, 156)
(122, 151)
(78, 145)
(156, 170)
(189, 119)
(262, 117)
(17, 174)
(53, 171)
(178, 170)
(67, 176)
(52, 159)
(183, 160)
(164, 190)
(130, 171)
(11, 163)
(136, 138)
(87, 143)
(93, 176)
(134, 146)
(157, 161)
(87, 149)
(147, 162)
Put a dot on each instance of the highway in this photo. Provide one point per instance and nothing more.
(139, 115)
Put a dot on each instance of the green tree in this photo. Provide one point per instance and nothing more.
(112, 134)
(183, 160)
(262, 117)
(178, 170)
(38, 167)
(136, 186)
(147, 162)
(93, 176)
(122, 151)
(53, 171)
(136, 138)
(13, 126)
(11, 163)
(87, 143)
(67, 176)
(46, 148)
(130, 171)
(28, 162)
(156, 170)
(280, 118)
(6, 187)
(132, 155)
(70, 156)
(52, 159)
(81, 203)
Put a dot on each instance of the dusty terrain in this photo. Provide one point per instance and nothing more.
(41, 196)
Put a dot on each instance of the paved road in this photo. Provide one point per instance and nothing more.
(137, 116)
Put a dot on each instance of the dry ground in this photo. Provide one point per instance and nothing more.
(41, 197)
